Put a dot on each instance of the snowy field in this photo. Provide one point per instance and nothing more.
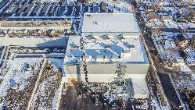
(46, 96)
(17, 83)
(18, 80)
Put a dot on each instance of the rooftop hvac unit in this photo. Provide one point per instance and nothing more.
(105, 37)
(107, 46)
(131, 46)
(121, 37)
(126, 51)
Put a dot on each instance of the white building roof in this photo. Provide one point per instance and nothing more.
(123, 46)
(98, 50)
(110, 22)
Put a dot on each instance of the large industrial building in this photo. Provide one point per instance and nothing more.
(107, 41)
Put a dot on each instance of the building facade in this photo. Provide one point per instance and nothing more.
(107, 40)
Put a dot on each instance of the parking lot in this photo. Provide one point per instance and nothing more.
(31, 9)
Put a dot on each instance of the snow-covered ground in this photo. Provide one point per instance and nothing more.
(167, 49)
(154, 23)
(165, 45)
(165, 18)
(183, 81)
(46, 96)
(18, 82)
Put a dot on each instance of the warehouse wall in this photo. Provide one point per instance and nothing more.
(96, 71)
(110, 34)
(106, 73)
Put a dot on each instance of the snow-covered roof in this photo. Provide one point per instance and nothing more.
(139, 86)
(110, 23)
(113, 49)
